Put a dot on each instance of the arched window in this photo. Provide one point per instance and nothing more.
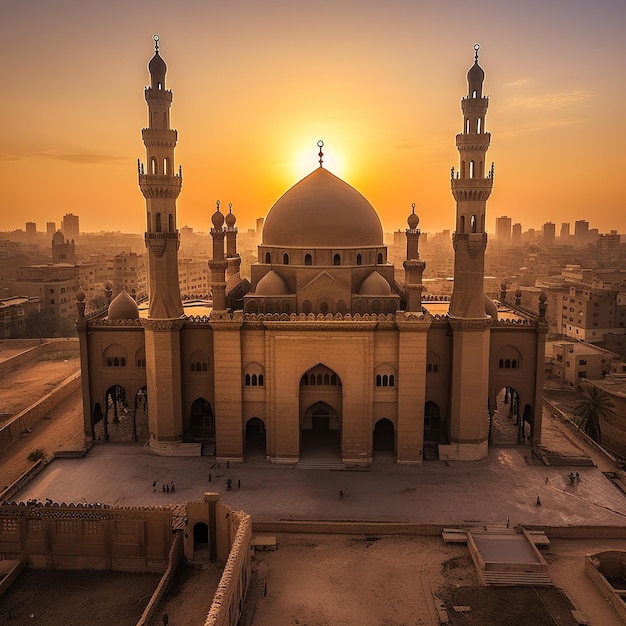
(479, 125)
(501, 364)
(473, 224)
(254, 380)
(432, 362)
(170, 223)
(379, 380)
(165, 166)
(474, 94)
(513, 364)
(392, 380)
(253, 376)
(385, 380)
(320, 379)
(285, 259)
(359, 259)
(471, 169)
(380, 258)
(268, 257)
(158, 222)
(247, 380)
(308, 259)
(467, 127)
(306, 307)
(304, 380)
(333, 379)
(507, 364)
(462, 224)
(260, 380)
(312, 379)
(327, 379)
(199, 361)
(153, 166)
(337, 260)
(324, 308)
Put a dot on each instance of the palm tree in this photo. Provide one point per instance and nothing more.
(594, 405)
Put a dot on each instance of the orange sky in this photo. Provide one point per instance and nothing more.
(256, 84)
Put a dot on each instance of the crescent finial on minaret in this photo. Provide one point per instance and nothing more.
(476, 49)
(156, 43)
(320, 145)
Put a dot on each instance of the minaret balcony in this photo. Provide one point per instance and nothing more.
(159, 137)
(471, 189)
(160, 186)
(160, 96)
(474, 105)
(473, 142)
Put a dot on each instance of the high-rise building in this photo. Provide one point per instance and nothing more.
(326, 345)
(51, 228)
(31, 230)
(581, 232)
(564, 232)
(516, 233)
(503, 229)
(548, 233)
(69, 226)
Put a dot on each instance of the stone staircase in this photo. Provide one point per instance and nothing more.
(320, 464)
(527, 579)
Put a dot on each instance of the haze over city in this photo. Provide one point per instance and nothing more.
(256, 85)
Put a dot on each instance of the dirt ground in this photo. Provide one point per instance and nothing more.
(71, 598)
(339, 580)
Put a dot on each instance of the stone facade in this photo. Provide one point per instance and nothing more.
(323, 353)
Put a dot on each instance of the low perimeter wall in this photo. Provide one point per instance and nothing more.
(593, 565)
(21, 422)
(233, 586)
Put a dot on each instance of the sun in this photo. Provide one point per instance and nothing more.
(308, 158)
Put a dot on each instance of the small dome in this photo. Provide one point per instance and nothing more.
(413, 220)
(80, 295)
(123, 307)
(217, 218)
(375, 285)
(58, 238)
(271, 285)
(542, 297)
(491, 308)
(322, 211)
(518, 293)
(230, 217)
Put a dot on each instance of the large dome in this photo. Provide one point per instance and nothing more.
(322, 211)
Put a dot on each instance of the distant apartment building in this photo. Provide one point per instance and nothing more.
(548, 233)
(564, 235)
(9, 248)
(573, 362)
(587, 313)
(14, 312)
(581, 232)
(516, 234)
(608, 248)
(51, 228)
(31, 230)
(70, 227)
(503, 229)
(129, 272)
(193, 277)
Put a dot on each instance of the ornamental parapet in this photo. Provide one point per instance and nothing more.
(162, 325)
(134, 323)
(514, 322)
(226, 320)
(462, 323)
(408, 321)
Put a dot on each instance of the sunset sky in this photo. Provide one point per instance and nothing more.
(257, 83)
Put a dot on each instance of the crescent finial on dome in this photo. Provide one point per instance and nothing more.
(320, 145)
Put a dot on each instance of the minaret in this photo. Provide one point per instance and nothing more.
(469, 419)
(218, 263)
(232, 256)
(413, 265)
(471, 189)
(160, 185)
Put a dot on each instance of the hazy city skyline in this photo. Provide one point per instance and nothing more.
(255, 87)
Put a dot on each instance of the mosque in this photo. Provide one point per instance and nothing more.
(322, 352)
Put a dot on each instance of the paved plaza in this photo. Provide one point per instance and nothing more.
(505, 485)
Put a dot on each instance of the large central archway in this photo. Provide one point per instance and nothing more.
(320, 414)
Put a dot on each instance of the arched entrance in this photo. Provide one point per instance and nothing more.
(202, 422)
(384, 441)
(320, 414)
(321, 434)
(201, 548)
(434, 432)
(255, 438)
(117, 423)
(140, 415)
(505, 425)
